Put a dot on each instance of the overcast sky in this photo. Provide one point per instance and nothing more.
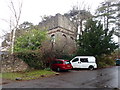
(32, 10)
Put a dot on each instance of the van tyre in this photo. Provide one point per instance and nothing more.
(91, 67)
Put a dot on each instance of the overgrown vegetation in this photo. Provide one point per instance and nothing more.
(96, 42)
(32, 58)
(67, 57)
(30, 40)
(27, 75)
(93, 40)
(28, 48)
(35, 59)
(105, 61)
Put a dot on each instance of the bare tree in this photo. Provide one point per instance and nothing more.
(78, 15)
(16, 17)
(14, 25)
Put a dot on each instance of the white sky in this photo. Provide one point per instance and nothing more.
(32, 10)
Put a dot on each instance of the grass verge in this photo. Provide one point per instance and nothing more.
(29, 75)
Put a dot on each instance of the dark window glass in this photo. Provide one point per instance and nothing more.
(64, 35)
(52, 38)
(59, 62)
(72, 38)
(84, 59)
(52, 35)
(75, 60)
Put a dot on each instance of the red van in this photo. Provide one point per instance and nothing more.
(61, 64)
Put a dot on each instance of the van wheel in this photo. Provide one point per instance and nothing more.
(58, 69)
(91, 67)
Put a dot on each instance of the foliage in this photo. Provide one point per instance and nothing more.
(27, 47)
(79, 16)
(26, 25)
(116, 54)
(105, 11)
(94, 40)
(45, 17)
(108, 12)
(105, 61)
(66, 57)
(30, 40)
(48, 69)
(32, 58)
(117, 32)
(34, 74)
(37, 59)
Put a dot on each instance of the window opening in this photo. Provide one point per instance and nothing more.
(53, 38)
(84, 59)
(75, 60)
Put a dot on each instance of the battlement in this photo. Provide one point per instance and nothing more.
(57, 21)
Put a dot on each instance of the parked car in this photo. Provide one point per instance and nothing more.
(60, 64)
(117, 62)
(84, 62)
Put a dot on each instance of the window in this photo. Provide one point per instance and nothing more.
(64, 35)
(53, 38)
(67, 62)
(75, 60)
(59, 62)
(84, 59)
(72, 38)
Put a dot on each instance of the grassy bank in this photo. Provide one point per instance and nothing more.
(29, 75)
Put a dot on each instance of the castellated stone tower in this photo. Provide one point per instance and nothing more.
(62, 33)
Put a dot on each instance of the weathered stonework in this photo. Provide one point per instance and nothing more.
(61, 29)
(64, 40)
(58, 21)
(64, 32)
(10, 64)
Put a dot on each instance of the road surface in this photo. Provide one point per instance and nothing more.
(100, 78)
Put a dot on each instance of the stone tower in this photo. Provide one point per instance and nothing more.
(62, 33)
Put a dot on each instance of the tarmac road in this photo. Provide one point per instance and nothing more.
(100, 78)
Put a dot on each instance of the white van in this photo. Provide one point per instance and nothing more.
(84, 62)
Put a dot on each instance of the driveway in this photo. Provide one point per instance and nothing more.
(100, 78)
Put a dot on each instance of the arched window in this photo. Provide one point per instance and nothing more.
(72, 38)
(64, 35)
(53, 38)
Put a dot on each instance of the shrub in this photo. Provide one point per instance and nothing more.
(47, 69)
(32, 58)
(105, 61)
(102, 64)
(30, 40)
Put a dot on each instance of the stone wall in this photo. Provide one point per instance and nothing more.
(11, 63)
(64, 40)
(64, 32)
(57, 21)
